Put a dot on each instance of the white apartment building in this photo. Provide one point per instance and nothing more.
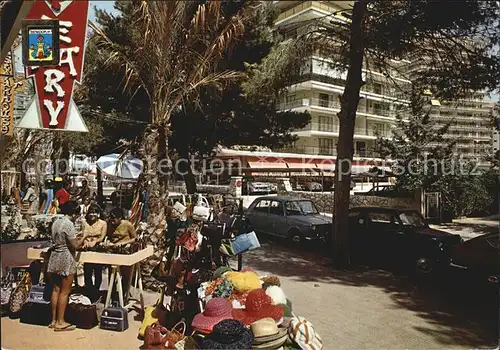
(319, 88)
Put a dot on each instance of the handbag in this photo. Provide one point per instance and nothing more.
(177, 334)
(201, 213)
(153, 314)
(83, 316)
(189, 238)
(155, 337)
(20, 294)
(240, 244)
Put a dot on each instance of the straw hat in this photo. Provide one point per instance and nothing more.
(267, 335)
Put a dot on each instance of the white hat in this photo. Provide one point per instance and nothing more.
(277, 294)
(302, 332)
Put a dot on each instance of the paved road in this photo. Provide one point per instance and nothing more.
(361, 309)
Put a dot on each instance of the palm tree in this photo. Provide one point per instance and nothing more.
(173, 49)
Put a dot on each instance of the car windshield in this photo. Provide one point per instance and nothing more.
(412, 218)
(307, 207)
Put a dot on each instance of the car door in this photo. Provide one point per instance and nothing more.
(377, 235)
(357, 235)
(278, 219)
(259, 216)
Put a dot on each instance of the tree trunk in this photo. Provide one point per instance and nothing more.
(163, 170)
(64, 167)
(56, 148)
(345, 149)
(186, 171)
(100, 194)
(153, 148)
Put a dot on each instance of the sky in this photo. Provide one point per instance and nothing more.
(103, 5)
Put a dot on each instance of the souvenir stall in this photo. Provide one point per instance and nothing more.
(208, 304)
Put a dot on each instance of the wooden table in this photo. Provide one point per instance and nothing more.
(116, 261)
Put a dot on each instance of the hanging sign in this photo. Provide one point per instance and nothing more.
(7, 87)
(53, 106)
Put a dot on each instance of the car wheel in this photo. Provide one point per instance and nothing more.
(424, 266)
(295, 237)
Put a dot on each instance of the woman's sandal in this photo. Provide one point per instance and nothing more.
(52, 326)
(69, 327)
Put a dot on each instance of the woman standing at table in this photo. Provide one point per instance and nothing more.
(62, 263)
(95, 230)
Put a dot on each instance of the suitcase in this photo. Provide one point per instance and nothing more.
(114, 318)
(36, 313)
(38, 294)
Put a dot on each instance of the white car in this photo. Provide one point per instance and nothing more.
(260, 187)
(107, 188)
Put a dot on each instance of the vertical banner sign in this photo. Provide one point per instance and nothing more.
(7, 87)
(53, 107)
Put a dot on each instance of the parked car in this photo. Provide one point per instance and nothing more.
(287, 217)
(107, 188)
(477, 262)
(398, 237)
(386, 191)
(260, 188)
(313, 186)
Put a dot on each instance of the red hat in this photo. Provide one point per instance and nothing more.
(216, 310)
(258, 305)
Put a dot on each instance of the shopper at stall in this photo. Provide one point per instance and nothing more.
(94, 228)
(15, 194)
(84, 207)
(62, 263)
(63, 195)
(84, 191)
(30, 199)
(122, 231)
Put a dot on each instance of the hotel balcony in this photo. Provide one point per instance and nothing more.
(333, 107)
(321, 129)
(324, 151)
(311, 9)
(368, 88)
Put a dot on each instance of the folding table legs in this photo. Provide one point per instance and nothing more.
(116, 277)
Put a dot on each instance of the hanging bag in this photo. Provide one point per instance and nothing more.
(154, 314)
(240, 244)
(20, 294)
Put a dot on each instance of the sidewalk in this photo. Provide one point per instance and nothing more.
(360, 309)
(470, 227)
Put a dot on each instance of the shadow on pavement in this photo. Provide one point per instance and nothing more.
(456, 315)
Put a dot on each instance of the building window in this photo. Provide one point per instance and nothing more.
(325, 124)
(325, 146)
(324, 100)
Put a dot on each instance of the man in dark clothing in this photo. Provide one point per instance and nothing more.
(84, 191)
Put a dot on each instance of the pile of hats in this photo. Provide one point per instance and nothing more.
(263, 319)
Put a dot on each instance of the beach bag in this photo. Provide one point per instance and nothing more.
(153, 314)
(36, 313)
(20, 294)
(83, 316)
(155, 337)
(176, 335)
(240, 244)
